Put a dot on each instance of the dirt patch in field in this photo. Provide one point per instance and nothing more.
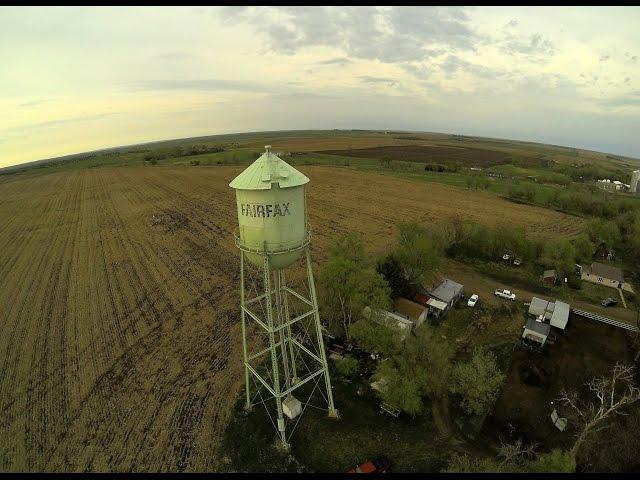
(430, 154)
(585, 350)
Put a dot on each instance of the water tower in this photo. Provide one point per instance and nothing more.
(283, 349)
(635, 182)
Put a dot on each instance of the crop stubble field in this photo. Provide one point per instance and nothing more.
(119, 336)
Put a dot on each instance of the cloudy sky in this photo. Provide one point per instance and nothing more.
(74, 79)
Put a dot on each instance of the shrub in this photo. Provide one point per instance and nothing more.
(347, 366)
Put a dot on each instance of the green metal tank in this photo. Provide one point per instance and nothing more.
(271, 211)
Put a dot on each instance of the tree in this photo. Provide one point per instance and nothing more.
(602, 232)
(556, 461)
(397, 389)
(417, 253)
(478, 382)
(385, 161)
(584, 248)
(512, 458)
(561, 254)
(374, 338)
(612, 394)
(348, 285)
(347, 366)
(393, 273)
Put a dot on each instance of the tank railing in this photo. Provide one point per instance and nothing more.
(273, 248)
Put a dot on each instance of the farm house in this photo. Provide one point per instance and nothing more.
(556, 313)
(606, 275)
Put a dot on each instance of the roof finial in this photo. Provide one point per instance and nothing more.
(267, 147)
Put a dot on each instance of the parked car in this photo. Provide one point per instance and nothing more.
(517, 262)
(473, 299)
(377, 465)
(508, 294)
(506, 256)
(609, 302)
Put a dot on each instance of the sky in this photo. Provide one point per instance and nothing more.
(74, 79)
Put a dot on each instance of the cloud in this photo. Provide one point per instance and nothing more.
(391, 35)
(62, 121)
(174, 56)
(204, 84)
(335, 61)
(631, 99)
(453, 64)
(33, 103)
(386, 80)
(532, 45)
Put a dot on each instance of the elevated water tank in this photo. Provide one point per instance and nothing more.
(270, 199)
(635, 182)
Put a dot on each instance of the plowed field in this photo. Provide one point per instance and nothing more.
(119, 331)
(430, 154)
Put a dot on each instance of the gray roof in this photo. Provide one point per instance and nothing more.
(447, 290)
(605, 271)
(539, 306)
(549, 274)
(538, 327)
(560, 315)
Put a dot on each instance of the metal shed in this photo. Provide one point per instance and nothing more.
(448, 292)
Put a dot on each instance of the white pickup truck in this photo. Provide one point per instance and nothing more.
(508, 294)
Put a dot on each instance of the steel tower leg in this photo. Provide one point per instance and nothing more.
(280, 320)
(285, 301)
(247, 405)
(332, 409)
(273, 347)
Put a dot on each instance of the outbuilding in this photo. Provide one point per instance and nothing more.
(411, 310)
(448, 292)
(396, 321)
(435, 308)
(549, 278)
(535, 332)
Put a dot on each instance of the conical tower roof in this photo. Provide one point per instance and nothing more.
(268, 169)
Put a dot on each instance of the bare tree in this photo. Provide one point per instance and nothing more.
(612, 394)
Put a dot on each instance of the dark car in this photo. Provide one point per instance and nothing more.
(609, 302)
